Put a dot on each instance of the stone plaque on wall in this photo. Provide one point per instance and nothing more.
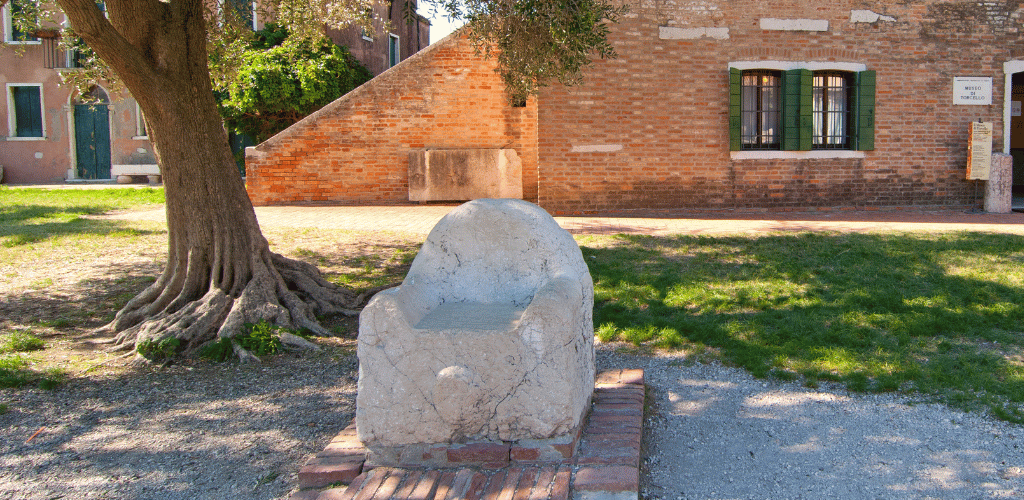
(972, 90)
(464, 174)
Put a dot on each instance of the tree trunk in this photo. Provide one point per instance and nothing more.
(220, 272)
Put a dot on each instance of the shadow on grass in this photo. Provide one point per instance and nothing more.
(21, 225)
(80, 308)
(363, 267)
(938, 315)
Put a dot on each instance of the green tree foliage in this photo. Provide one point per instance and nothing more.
(538, 42)
(280, 80)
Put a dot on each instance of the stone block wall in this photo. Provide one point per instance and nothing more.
(356, 149)
(650, 128)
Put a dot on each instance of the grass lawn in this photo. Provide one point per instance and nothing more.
(938, 315)
(31, 215)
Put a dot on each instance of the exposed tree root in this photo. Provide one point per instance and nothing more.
(163, 321)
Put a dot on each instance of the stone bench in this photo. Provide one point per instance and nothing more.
(125, 174)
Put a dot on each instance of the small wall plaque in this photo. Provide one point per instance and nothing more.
(972, 90)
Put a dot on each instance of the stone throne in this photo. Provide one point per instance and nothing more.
(489, 340)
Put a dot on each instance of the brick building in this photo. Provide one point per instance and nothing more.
(710, 104)
(48, 134)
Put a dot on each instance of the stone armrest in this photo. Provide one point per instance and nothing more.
(554, 304)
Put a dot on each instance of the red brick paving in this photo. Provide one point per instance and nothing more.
(419, 219)
(606, 463)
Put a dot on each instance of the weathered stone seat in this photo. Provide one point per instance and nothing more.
(488, 339)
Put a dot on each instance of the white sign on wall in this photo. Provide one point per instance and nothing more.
(1014, 108)
(972, 90)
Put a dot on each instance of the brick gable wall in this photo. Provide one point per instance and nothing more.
(356, 149)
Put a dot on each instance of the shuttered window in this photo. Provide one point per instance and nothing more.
(819, 110)
(28, 111)
(394, 57)
(240, 12)
(15, 10)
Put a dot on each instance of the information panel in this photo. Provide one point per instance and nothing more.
(979, 151)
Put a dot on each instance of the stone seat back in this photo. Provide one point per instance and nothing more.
(489, 252)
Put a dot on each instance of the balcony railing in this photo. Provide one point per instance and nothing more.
(57, 57)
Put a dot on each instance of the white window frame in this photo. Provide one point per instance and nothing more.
(9, 28)
(255, 12)
(141, 131)
(797, 155)
(393, 38)
(12, 125)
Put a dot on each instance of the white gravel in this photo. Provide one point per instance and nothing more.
(714, 432)
(225, 431)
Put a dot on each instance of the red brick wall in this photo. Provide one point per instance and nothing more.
(356, 149)
(665, 102)
(52, 158)
(373, 53)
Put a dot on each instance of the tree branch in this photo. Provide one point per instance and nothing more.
(126, 59)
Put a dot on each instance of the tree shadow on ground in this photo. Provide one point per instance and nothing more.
(78, 309)
(195, 429)
(22, 225)
(715, 433)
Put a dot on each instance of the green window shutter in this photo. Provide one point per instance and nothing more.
(28, 113)
(16, 34)
(735, 120)
(864, 108)
(791, 110)
(796, 109)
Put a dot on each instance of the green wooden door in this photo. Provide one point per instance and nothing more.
(92, 141)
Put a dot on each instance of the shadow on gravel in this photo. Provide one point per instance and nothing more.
(192, 430)
(92, 302)
(196, 430)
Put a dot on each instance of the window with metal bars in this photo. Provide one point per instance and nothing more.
(830, 112)
(820, 110)
(761, 111)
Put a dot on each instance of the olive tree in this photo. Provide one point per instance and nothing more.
(220, 272)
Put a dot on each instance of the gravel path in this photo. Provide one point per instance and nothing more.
(718, 433)
(241, 431)
(207, 431)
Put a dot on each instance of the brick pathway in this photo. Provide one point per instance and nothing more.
(419, 219)
(606, 464)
